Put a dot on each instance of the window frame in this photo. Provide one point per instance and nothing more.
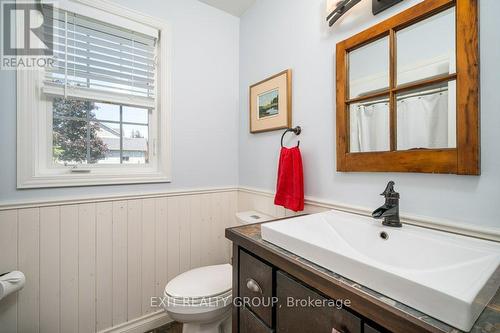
(35, 168)
(462, 160)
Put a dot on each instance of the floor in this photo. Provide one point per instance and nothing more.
(173, 327)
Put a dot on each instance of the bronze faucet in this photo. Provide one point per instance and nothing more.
(390, 210)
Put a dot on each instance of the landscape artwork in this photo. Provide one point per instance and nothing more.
(268, 103)
(271, 103)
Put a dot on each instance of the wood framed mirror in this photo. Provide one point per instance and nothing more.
(407, 92)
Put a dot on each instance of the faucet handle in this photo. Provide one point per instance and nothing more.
(389, 190)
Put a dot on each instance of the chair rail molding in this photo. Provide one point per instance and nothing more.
(313, 205)
(79, 199)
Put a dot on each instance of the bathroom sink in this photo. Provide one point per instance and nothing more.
(447, 276)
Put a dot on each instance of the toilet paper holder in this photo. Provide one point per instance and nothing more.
(11, 282)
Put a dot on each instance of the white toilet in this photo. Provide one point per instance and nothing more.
(201, 298)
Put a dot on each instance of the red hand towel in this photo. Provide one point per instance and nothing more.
(290, 186)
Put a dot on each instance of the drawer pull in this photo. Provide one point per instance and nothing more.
(253, 286)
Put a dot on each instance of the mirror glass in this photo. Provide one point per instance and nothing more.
(369, 68)
(427, 48)
(369, 125)
(427, 117)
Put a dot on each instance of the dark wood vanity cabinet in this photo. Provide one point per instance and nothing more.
(267, 280)
(273, 301)
(256, 282)
(312, 315)
(370, 329)
(250, 323)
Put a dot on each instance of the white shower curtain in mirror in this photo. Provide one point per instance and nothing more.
(369, 128)
(423, 121)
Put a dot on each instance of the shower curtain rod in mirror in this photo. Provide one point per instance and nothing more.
(417, 94)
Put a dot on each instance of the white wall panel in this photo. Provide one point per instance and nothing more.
(69, 268)
(196, 238)
(173, 242)
(148, 257)
(120, 220)
(8, 262)
(91, 266)
(184, 237)
(218, 206)
(49, 270)
(134, 257)
(86, 267)
(104, 265)
(207, 211)
(28, 316)
(161, 249)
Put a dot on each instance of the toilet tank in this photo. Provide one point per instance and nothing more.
(252, 216)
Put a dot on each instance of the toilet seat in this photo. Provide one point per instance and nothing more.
(200, 301)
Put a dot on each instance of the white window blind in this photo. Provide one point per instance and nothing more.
(100, 61)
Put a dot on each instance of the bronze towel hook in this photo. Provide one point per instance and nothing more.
(297, 130)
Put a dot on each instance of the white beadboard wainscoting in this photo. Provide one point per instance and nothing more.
(93, 266)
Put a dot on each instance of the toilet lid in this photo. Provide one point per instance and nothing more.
(201, 282)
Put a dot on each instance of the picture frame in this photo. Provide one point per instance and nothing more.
(271, 103)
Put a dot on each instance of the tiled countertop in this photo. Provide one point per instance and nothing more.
(488, 322)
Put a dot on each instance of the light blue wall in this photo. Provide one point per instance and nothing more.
(274, 35)
(280, 34)
(205, 103)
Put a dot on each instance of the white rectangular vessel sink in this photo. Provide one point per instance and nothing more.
(447, 276)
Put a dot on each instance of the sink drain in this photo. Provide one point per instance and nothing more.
(384, 235)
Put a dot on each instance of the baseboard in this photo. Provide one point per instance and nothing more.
(492, 234)
(142, 324)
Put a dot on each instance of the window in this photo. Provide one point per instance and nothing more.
(88, 132)
(100, 114)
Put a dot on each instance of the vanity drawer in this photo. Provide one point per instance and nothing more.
(369, 329)
(249, 323)
(318, 319)
(256, 283)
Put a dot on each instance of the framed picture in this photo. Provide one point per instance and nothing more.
(271, 103)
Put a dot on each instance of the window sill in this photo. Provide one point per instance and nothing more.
(90, 179)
